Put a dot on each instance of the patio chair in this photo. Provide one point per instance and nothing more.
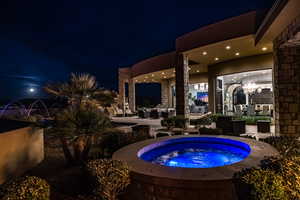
(238, 110)
(266, 110)
(251, 110)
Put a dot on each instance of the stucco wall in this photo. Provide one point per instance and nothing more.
(20, 150)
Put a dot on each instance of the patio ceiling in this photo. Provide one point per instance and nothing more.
(228, 50)
(200, 58)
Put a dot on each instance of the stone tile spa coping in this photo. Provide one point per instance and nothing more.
(130, 155)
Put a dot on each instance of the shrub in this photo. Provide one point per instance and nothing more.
(75, 126)
(261, 185)
(178, 122)
(169, 123)
(252, 120)
(288, 168)
(214, 117)
(111, 177)
(287, 146)
(27, 188)
(210, 131)
(111, 141)
(202, 121)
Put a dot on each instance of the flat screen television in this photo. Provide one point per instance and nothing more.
(203, 96)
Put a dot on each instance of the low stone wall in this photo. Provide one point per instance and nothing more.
(20, 150)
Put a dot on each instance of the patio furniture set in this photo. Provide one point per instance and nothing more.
(156, 113)
(237, 127)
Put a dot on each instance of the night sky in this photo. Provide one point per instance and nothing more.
(43, 41)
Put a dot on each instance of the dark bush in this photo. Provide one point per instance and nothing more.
(202, 121)
(210, 131)
(259, 184)
(287, 146)
(111, 177)
(288, 168)
(26, 188)
(168, 122)
(177, 122)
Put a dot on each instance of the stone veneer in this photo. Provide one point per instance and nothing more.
(131, 95)
(125, 77)
(165, 93)
(286, 74)
(182, 86)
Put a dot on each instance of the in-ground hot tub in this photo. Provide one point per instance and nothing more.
(189, 167)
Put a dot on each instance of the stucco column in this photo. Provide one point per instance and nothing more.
(122, 95)
(211, 93)
(165, 93)
(124, 75)
(286, 77)
(131, 94)
(182, 86)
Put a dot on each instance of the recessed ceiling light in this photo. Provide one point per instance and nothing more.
(228, 47)
(264, 49)
(237, 53)
(204, 53)
(216, 59)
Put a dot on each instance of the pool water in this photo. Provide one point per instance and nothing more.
(197, 152)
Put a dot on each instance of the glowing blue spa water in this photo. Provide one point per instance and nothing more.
(196, 152)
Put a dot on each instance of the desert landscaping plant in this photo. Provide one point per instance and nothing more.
(288, 168)
(264, 185)
(278, 177)
(76, 126)
(83, 89)
(26, 188)
(177, 122)
(111, 177)
(287, 146)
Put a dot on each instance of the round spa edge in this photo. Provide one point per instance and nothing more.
(130, 155)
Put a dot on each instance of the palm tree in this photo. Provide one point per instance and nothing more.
(77, 90)
(83, 117)
(82, 88)
(75, 128)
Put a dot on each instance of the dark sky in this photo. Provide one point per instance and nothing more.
(43, 41)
